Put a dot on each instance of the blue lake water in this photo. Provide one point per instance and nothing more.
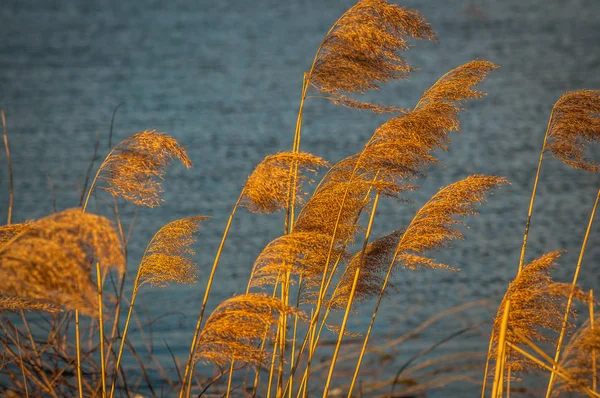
(224, 78)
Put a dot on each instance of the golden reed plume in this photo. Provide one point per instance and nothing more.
(49, 260)
(12, 303)
(168, 256)
(537, 303)
(136, 165)
(580, 359)
(575, 121)
(361, 50)
(268, 187)
(236, 325)
(433, 227)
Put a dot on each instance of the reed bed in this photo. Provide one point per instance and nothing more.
(63, 276)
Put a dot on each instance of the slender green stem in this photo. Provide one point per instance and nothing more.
(563, 328)
(189, 367)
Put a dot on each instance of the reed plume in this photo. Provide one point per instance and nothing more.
(537, 304)
(267, 190)
(361, 50)
(236, 325)
(378, 255)
(12, 303)
(299, 253)
(433, 227)
(7, 232)
(134, 167)
(50, 259)
(579, 359)
(575, 122)
(168, 256)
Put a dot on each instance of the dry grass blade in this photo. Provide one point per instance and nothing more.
(136, 165)
(578, 359)
(575, 122)
(360, 51)
(50, 260)
(268, 187)
(537, 302)
(236, 325)
(12, 303)
(168, 257)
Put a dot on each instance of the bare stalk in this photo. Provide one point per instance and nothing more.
(11, 191)
(78, 348)
(189, 367)
(501, 351)
(351, 298)
(532, 200)
(594, 376)
(101, 326)
(570, 299)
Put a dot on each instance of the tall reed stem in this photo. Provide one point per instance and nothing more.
(101, 326)
(230, 378)
(78, 348)
(351, 298)
(570, 299)
(501, 350)
(594, 376)
(532, 199)
(189, 367)
(11, 190)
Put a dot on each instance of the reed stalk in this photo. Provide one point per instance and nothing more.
(189, 367)
(532, 199)
(351, 298)
(11, 189)
(78, 350)
(496, 388)
(570, 299)
(594, 368)
(101, 327)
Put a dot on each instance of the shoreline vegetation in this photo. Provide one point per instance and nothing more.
(69, 267)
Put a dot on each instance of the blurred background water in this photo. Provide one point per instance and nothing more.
(224, 78)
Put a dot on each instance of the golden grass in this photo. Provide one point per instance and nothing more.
(45, 264)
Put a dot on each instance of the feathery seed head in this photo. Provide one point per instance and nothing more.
(536, 303)
(168, 257)
(575, 122)
(233, 329)
(268, 187)
(49, 261)
(579, 357)
(137, 165)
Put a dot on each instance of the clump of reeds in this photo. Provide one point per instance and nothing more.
(326, 260)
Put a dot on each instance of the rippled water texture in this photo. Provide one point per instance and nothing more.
(224, 78)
